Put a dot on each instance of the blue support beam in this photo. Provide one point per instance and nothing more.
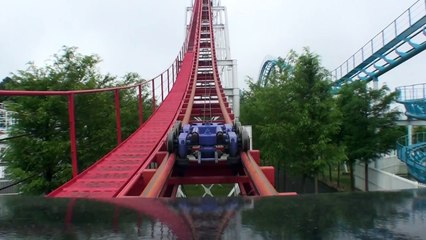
(414, 155)
(374, 60)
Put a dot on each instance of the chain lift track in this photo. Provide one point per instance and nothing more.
(191, 138)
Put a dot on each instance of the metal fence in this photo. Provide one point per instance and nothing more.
(412, 92)
(10, 190)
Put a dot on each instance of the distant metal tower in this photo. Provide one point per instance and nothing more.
(227, 66)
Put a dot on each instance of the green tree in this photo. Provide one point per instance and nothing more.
(295, 117)
(3, 83)
(43, 153)
(315, 120)
(369, 124)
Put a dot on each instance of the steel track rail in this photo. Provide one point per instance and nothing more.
(252, 179)
(140, 166)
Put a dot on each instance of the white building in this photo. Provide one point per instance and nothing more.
(227, 66)
(6, 121)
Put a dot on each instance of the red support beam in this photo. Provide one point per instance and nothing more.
(158, 181)
(73, 141)
(162, 93)
(173, 73)
(117, 114)
(153, 97)
(208, 180)
(140, 103)
(259, 180)
(242, 189)
(177, 66)
(269, 173)
(64, 93)
(168, 81)
(255, 155)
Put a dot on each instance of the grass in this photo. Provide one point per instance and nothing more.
(345, 180)
(217, 190)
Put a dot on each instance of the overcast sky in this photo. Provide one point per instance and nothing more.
(144, 36)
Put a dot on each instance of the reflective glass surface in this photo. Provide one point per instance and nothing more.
(378, 215)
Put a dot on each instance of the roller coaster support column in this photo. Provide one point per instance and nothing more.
(236, 90)
(140, 105)
(410, 134)
(117, 114)
(71, 116)
(155, 185)
(260, 182)
(168, 81)
(153, 96)
(162, 88)
(376, 84)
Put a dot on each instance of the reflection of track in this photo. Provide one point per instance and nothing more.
(157, 209)
(197, 218)
(141, 166)
(209, 217)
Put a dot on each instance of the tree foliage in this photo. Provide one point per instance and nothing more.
(3, 84)
(295, 117)
(369, 123)
(299, 125)
(43, 153)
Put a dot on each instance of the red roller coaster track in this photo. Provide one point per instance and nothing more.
(140, 166)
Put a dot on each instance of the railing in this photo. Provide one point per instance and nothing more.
(416, 138)
(159, 86)
(415, 153)
(7, 187)
(413, 14)
(412, 92)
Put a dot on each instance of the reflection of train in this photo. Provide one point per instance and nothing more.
(208, 217)
(393, 215)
